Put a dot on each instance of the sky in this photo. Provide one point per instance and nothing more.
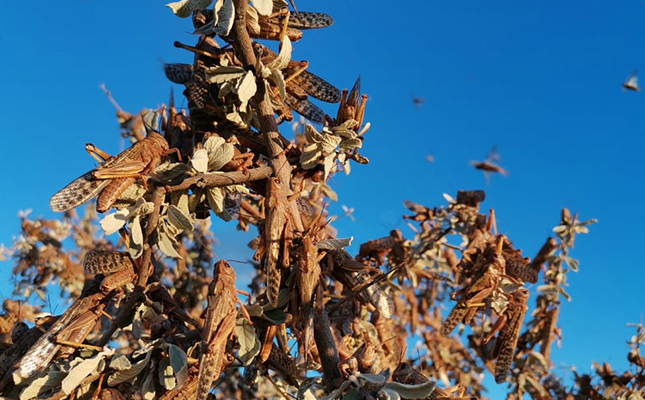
(539, 80)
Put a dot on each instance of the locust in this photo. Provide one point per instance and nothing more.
(490, 164)
(350, 107)
(281, 221)
(118, 264)
(353, 275)
(632, 82)
(219, 325)
(38, 357)
(73, 326)
(110, 179)
(405, 373)
(479, 289)
(509, 330)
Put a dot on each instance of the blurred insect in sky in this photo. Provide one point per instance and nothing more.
(429, 157)
(632, 82)
(347, 212)
(417, 101)
(490, 164)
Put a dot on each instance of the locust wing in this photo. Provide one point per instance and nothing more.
(77, 192)
(306, 108)
(316, 86)
(310, 20)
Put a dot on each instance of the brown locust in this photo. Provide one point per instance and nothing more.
(110, 179)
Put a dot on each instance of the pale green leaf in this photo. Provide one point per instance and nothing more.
(137, 233)
(215, 198)
(264, 7)
(225, 11)
(179, 219)
(236, 189)
(180, 199)
(135, 246)
(222, 74)
(252, 21)
(133, 193)
(328, 192)
(334, 244)
(166, 376)
(247, 338)
(312, 135)
(283, 58)
(120, 362)
(310, 156)
(200, 160)
(165, 243)
(419, 391)
(364, 129)
(83, 369)
(40, 384)
(235, 117)
(329, 144)
(344, 133)
(449, 198)
(246, 89)
(178, 362)
(328, 164)
(350, 144)
(184, 8)
(115, 221)
(128, 375)
(278, 78)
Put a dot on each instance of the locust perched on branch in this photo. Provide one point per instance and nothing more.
(219, 325)
(110, 179)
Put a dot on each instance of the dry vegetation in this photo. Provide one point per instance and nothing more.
(152, 315)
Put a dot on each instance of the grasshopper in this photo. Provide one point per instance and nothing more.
(281, 221)
(351, 273)
(79, 319)
(219, 325)
(479, 289)
(110, 179)
(509, 325)
(405, 373)
(350, 107)
(43, 351)
(116, 263)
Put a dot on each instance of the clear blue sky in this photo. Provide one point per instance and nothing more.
(541, 80)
